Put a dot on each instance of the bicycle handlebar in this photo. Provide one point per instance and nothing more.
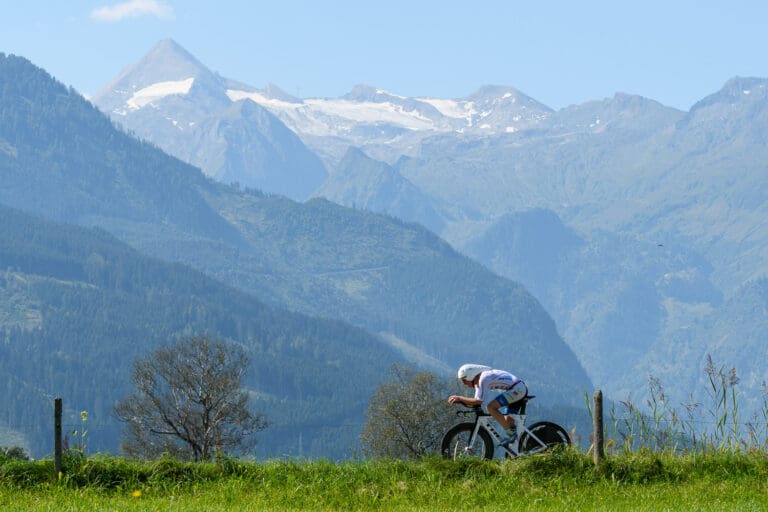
(473, 409)
(478, 409)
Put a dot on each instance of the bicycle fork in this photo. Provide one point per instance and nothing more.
(480, 424)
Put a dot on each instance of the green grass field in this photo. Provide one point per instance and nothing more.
(565, 480)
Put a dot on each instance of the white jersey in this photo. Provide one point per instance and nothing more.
(494, 379)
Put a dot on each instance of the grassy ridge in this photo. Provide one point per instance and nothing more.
(554, 481)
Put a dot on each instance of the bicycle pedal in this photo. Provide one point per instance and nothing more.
(508, 441)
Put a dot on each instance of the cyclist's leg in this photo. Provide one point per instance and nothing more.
(499, 408)
(494, 409)
(513, 400)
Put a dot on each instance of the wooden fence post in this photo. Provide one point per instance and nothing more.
(57, 435)
(598, 452)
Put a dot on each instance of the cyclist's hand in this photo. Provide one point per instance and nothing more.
(454, 399)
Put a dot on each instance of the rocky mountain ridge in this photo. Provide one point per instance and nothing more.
(365, 117)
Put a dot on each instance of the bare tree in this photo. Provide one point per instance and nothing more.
(408, 416)
(189, 402)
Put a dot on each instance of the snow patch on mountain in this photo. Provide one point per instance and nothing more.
(369, 112)
(452, 108)
(154, 92)
(257, 97)
(329, 116)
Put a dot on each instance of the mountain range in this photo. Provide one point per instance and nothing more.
(112, 247)
(194, 120)
(639, 227)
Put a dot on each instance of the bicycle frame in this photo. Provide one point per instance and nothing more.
(484, 421)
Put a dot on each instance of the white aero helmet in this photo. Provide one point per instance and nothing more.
(470, 371)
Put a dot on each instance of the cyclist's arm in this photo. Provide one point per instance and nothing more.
(469, 402)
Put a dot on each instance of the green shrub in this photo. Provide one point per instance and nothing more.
(642, 467)
(462, 468)
(568, 463)
(13, 452)
(168, 469)
(25, 473)
(106, 473)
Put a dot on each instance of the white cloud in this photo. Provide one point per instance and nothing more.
(132, 9)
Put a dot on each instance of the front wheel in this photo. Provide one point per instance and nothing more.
(550, 434)
(455, 443)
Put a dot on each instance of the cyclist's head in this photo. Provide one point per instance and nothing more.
(468, 372)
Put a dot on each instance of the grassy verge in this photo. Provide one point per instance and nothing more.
(563, 480)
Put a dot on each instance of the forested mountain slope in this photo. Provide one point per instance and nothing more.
(77, 307)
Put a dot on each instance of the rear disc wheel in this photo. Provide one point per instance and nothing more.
(551, 434)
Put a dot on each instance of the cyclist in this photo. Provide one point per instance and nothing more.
(484, 378)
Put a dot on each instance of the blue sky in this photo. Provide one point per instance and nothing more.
(559, 52)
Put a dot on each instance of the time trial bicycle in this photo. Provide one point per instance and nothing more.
(478, 438)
